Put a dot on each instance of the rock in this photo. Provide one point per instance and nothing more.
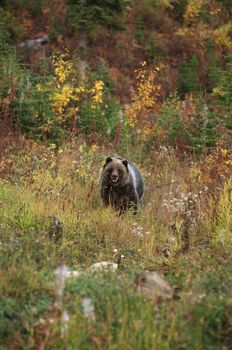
(103, 266)
(34, 44)
(74, 274)
(154, 285)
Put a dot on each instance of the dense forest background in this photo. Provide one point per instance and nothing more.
(165, 65)
(151, 81)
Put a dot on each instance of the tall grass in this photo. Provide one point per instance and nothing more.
(42, 183)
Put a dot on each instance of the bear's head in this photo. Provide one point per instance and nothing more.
(115, 171)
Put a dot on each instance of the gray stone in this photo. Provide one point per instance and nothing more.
(154, 285)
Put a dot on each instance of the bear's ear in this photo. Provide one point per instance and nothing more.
(125, 162)
(108, 159)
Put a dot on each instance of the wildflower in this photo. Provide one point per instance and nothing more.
(94, 149)
(88, 308)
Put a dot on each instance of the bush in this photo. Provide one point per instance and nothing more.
(49, 107)
(25, 106)
(170, 123)
(195, 123)
(223, 90)
(85, 105)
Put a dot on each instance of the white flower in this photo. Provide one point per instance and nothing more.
(88, 308)
(61, 274)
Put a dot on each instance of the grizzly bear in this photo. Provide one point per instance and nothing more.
(121, 185)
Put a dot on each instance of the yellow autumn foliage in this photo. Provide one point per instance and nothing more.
(97, 92)
(62, 98)
(222, 35)
(62, 67)
(193, 9)
(67, 92)
(144, 99)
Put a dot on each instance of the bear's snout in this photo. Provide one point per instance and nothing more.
(114, 178)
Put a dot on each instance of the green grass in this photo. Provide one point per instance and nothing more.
(198, 316)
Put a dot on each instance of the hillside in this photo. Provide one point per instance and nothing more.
(149, 81)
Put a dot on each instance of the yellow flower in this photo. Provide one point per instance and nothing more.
(94, 148)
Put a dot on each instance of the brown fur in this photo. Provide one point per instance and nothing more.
(117, 185)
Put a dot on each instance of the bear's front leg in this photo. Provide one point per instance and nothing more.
(124, 205)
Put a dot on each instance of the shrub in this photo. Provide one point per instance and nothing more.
(26, 107)
(49, 107)
(86, 105)
(195, 123)
(223, 89)
(144, 106)
(170, 122)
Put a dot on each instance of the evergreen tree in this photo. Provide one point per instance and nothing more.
(85, 14)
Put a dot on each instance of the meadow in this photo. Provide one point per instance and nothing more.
(183, 231)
